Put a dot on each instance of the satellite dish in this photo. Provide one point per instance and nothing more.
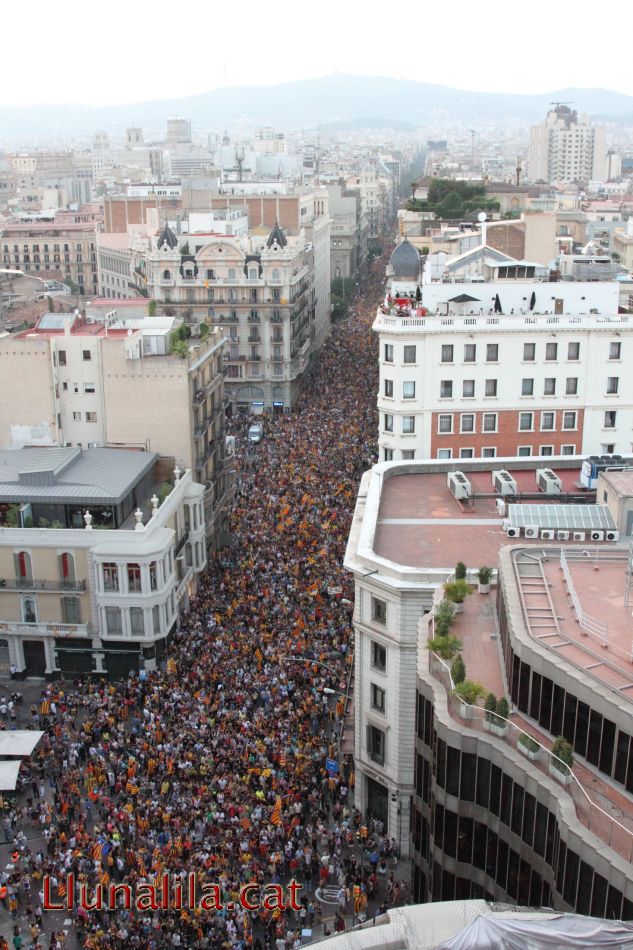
(76, 311)
(482, 216)
(129, 332)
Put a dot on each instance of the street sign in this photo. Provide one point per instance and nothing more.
(332, 766)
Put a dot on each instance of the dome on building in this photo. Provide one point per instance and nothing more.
(167, 237)
(405, 261)
(276, 236)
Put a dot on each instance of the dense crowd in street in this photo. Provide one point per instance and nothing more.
(216, 763)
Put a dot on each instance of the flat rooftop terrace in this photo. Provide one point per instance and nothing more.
(420, 524)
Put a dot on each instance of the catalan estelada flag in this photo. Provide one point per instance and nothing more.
(45, 708)
(245, 823)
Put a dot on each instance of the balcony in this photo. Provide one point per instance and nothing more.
(253, 319)
(278, 319)
(34, 584)
(277, 340)
(254, 338)
(199, 396)
(46, 628)
(254, 359)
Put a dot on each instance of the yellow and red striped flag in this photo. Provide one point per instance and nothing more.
(275, 818)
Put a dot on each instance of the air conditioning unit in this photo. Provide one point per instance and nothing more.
(503, 483)
(512, 532)
(548, 482)
(547, 534)
(562, 535)
(612, 535)
(501, 507)
(579, 535)
(230, 446)
(597, 535)
(459, 486)
(532, 531)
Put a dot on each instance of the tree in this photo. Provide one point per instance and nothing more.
(184, 250)
(490, 706)
(204, 330)
(444, 616)
(470, 691)
(460, 571)
(458, 670)
(339, 307)
(563, 750)
(151, 308)
(503, 709)
(457, 591)
(445, 647)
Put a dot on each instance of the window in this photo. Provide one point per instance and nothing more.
(470, 352)
(377, 698)
(110, 576)
(466, 453)
(445, 424)
(488, 453)
(608, 448)
(529, 352)
(89, 387)
(388, 423)
(153, 575)
(388, 353)
(378, 610)
(408, 425)
(546, 450)
(526, 421)
(71, 610)
(447, 353)
(409, 354)
(609, 419)
(445, 453)
(29, 609)
(446, 389)
(524, 450)
(573, 351)
(615, 350)
(389, 387)
(547, 421)
(387, 455)
(467, 423)
(568, 450)
(61, 357)
(527, 387)
(408, 455)
(571, 386)
(376, 744)
(551, 351)
(408, 390)
(91, 417)
(134, 578)
(490, 422)
(113, 620)
(86, 355)
(612, 385)
(137, 621)
(378, 656)
(549, 386)
(156, 620)
(23, 570)
(468, 389)
(491, 387)
(569, 420)
(166, 275)
(492, 353)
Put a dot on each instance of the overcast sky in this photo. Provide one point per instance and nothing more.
(132, 50)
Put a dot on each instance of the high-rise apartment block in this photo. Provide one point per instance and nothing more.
(567, 148)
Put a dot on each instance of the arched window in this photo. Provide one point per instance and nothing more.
(275, 274)
(23, 569)
(166, 275)
(28, 606)
(67, 568)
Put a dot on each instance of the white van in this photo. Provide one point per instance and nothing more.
(256, 432)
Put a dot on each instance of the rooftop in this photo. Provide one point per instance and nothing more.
(70, 475)
(420, 524)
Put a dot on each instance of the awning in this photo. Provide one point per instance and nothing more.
(9, 774)
(18, 742)
(464, 298)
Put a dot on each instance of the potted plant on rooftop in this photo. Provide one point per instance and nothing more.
(446, 647)
(499, 721)
(561, 760)
(460, 571)
(529, 746)
(483, 579)
(469, 692)
(444, 616)
(457, 591)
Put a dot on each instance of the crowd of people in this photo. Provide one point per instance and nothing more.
(216, 763)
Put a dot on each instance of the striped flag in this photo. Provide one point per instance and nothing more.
(275, 818)
(246, 824)
(45, 708)
(97, 852)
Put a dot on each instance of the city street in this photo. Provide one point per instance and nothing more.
(217, 763)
